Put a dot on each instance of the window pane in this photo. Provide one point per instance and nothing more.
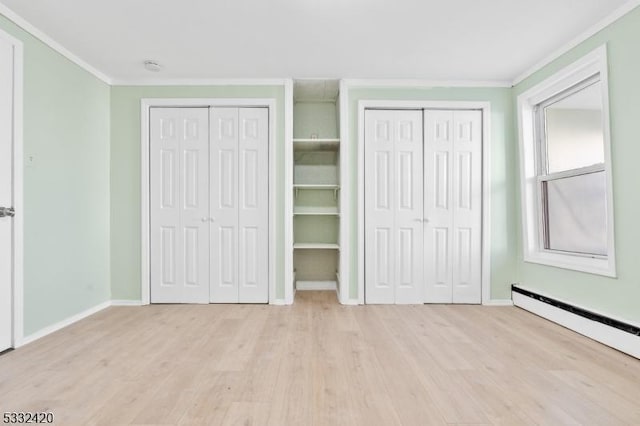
(577, 214)
(574, 130)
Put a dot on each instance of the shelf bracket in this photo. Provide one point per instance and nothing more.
(296, 193)
(335, 194)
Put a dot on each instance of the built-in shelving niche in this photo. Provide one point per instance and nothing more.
(316, 185)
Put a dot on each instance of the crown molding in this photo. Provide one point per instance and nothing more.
(201, 82)
(31, 29)
(418, 83)
(591, 31)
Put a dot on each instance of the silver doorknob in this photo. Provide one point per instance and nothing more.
(418, 220)
(204, 219)
(7, 212)
(212, 219)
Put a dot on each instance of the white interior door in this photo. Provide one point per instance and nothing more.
(393, 206)
(453, 206)
(179, 196)
(6, 193)
(239, 205)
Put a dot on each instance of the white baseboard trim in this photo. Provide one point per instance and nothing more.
(315, 285)
(610, 336)
(126, 302)
(498, 302)
(278, 302)
(62, 324)
(351, 302)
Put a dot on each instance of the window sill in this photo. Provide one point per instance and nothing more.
(590, 265)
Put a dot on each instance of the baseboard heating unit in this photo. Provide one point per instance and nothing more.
(620, 335)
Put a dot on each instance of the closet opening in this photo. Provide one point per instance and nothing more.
(316, 185)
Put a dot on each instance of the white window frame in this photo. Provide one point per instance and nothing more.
(591, 65)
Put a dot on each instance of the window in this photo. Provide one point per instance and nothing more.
(565, 169)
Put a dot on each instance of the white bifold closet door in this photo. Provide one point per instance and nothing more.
(453, 206)
(393, 207)
(239, 205)
(179, 199)
(209, 205)
(423, 206)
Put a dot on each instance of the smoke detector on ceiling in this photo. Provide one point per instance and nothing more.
(152, 66)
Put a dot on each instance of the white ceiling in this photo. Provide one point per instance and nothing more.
(418, 39)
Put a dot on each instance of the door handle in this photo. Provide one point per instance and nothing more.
(7, 212)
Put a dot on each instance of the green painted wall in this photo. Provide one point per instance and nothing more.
(125, 175)
(66, 186)
(503, 152)
(618, 297)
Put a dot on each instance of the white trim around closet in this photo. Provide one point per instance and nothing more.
(485, 107)
(145, 105)
(288, 195)
(345, 199)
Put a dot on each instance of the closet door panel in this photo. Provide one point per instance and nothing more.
(467, 207)
(194, 189)
(253, 194)
(179, 205)
(223, 174)
(438, 205)
(409, 207)
(380, 258)
(393, 207)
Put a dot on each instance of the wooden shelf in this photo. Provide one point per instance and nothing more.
(316, 144)
(315, 186)
(334, 188)
(316, 246)
(309, 140)
(316, 211)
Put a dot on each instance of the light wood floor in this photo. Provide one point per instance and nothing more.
(319, 363)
